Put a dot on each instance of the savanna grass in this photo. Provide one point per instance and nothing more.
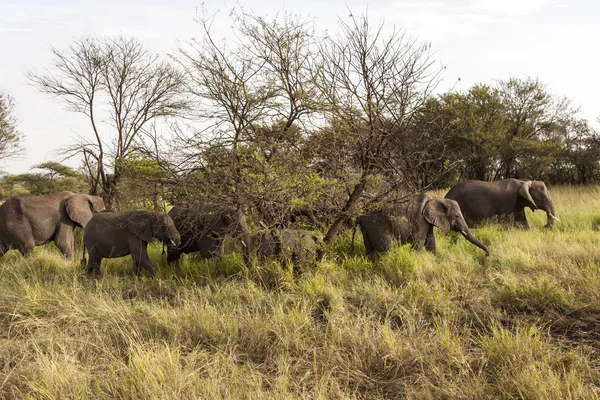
(517, 324)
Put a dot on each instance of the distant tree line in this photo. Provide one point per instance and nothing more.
(296, 127)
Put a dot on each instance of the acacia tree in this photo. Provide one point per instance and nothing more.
(59, 176)
(373, 86)
(119, 79)
(50, 177)
(9, 136)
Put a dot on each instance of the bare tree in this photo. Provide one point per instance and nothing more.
(9, 136)
(255, 98)
(373, 86)
(119, 78)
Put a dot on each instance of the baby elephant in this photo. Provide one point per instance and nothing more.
(112, 234)
(412, 221)
(292, 245)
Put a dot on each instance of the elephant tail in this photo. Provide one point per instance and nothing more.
(356, 223)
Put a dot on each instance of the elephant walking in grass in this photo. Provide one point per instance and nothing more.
(412, 221)
(480, 200)
(203, 229)
(27, 221)
(111, 234)
(298, 246)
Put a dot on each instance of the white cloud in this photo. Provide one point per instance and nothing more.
(434, 21)
(513, 7)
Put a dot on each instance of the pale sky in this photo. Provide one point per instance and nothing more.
(556, 41)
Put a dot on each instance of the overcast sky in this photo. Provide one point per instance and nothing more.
(478, 40)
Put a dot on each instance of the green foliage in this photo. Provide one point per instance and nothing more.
(480, 124)
(142, 183)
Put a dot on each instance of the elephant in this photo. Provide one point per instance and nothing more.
(480, 200)
(292, 245)
(203, 229)
(29, 220)
(412, 221)
(112, 234)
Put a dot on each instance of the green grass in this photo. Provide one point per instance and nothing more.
(521, 323)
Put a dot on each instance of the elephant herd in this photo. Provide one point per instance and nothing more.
(27, 221)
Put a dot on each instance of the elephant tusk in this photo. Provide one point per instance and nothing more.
(464, 233)
(173, 243)
(553, 217)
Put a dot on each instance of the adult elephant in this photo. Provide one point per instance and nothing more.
(111, 234)
(480, 200)
(292, 245)
(412, 221)
(27, 221)
(203, 229)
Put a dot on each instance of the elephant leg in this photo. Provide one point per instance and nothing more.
(174, 257)
(139, 253)
(377, 244)
(521, 219)
(26, 247)
(430, 241)
(369, 248)
(64, 240)
(220, 252)
(94, 261)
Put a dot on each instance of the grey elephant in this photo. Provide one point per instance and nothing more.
(27, 221)
(480, 200)
(412, 221)
(298, 246)
(203, 229)
(112, 234)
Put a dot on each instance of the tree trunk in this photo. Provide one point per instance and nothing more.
(109, 190)
(155, 202)
(354, 198)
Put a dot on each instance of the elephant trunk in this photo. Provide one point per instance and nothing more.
(172, 237)
(245, 238)
(246, 245)
(551, 216)
(471, 238)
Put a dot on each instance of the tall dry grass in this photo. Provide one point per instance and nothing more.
(520, 323)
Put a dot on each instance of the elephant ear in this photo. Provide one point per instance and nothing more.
(434, 212)
(524, 192)
(97, 203)
(81, 208)
(140, 224)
